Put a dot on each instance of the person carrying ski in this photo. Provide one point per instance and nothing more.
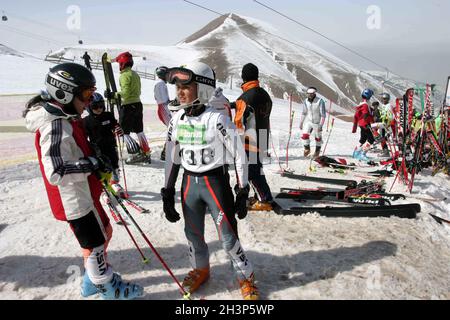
(162, 99)
(102, 128)
(364, 119)
(384, 122)
(73, 174)
(204, 141)
(131, 110)
(252, 119)
(314, 113)
(87, 60)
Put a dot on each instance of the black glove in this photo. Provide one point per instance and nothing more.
(168, 197)
(109, 95)
(101, 163)
(241, 206)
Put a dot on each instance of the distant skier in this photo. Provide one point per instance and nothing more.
(203, 141)
(384, 122)
(131, 111)
(364, 119)
(87, 60)
(71, 174)
(252, 119)
(101, 128)
(312, 119)
(162, 99)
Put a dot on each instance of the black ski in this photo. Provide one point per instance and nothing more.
(110, 83)
(340, 182)
(408, 211)
(336, 194)
(318, 196)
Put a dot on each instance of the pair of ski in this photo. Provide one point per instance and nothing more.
(370, 194)
(286, 206)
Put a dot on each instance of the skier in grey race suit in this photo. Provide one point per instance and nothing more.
(203, 140)
(314, 113)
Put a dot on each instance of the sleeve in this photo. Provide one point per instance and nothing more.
(173, 160)
(58, 160)
(161, 93)
(239, 117)
(303, 114)
(323, 112)
(125, 85)
(227, 133)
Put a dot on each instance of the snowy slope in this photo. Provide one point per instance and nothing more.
(307, 257)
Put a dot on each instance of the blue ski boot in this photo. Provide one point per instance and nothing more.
(118, 290)
(87, 287)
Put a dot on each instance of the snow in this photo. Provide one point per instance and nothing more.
(306, 257)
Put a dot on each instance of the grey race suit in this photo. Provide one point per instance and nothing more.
(203, 145)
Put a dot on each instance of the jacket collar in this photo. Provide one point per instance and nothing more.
(250, 85)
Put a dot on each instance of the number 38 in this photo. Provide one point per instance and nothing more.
(206, 156)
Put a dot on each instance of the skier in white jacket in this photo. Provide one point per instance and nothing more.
(312, 119)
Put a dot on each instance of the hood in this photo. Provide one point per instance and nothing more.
(43, 113)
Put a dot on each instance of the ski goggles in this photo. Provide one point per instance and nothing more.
(86, 94)
(186, 76)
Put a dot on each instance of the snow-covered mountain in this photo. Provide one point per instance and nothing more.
(230, 41)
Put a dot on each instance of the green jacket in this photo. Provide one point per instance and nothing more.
(130, 86)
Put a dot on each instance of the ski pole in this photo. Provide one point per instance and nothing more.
(185, 294)
(291, 121)
(121, 144)
(329, 135)
(329, 115)
(117, 214)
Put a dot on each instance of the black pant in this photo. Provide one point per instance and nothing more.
(111, 152)
(366, 135)
(131, 118)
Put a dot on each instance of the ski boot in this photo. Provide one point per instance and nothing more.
(260, 206)
(307, 151)
(119, 190)
(317, 152)
(87, 287)
(116, 289)
(138, 158)
(195, 279)
(248, 289)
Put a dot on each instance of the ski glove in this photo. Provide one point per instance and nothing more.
(355, 126)
(168, 197)
(100, 164)
(118, 131)
(241, 206)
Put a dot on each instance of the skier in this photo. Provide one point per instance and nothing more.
(101, 128)
(131, 111)
(314, 113)
(70, 169)
(364, 119)
(252, 120)
(384, 122)
(162, 99)
(208, 142)
(87, 60)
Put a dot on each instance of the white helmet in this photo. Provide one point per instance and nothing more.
(197, 72)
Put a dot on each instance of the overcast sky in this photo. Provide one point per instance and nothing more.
(412, 38)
